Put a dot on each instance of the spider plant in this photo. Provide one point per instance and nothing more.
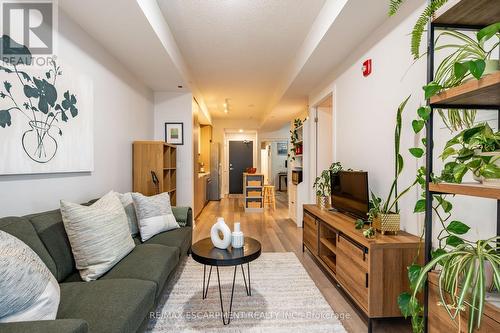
(462, 278)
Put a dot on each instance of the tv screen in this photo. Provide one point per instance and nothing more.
(350, 193)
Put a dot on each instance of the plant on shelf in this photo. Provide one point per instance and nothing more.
(476, 149)
(322, 185)
(468, 59)
(295, 142)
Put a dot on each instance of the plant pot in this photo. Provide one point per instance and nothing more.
(387, 223)
(492, 66)
(495, 157)
(323, 202)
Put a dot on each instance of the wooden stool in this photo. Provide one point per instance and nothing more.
(269, 196)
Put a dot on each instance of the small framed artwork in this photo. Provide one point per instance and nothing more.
(174, 133)
(282, 148)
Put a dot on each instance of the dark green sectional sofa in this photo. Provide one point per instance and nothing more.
(122, 299)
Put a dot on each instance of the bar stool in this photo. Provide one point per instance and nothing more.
(269, 196)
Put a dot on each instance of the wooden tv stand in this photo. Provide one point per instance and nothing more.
(371, 271)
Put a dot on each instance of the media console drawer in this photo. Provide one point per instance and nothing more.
(310, 234)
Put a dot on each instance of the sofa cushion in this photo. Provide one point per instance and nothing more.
(99, 234)
(50, 228)
(29, 291)
(150, 262)
(108, 305)
(180, 238)
(21, 228)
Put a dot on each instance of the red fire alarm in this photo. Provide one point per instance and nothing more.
(367, 67)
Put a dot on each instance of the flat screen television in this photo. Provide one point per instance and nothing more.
(350, 193)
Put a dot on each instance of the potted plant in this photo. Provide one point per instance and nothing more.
(476, 149)
(322, 185)
(384, 214)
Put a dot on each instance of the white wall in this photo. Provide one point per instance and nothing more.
(364, 120)
(177, 107)
(123, 112)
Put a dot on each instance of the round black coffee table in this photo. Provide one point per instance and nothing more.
(205, 253)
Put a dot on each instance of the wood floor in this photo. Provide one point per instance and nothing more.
(278, 233)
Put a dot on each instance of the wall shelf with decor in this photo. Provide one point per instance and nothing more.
(297, 188)
(253, 184)
(159, 158)
(473, 94)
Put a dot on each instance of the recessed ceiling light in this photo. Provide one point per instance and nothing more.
(241, 131)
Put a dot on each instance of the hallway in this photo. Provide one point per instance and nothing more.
(278, 233)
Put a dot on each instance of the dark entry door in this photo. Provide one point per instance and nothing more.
(240, 158)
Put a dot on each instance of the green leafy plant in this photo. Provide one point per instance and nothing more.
(467, 58)
(390, 204)
(294, 138)
(322, 184)
(462, 278)
(466, 149)
(421, 24)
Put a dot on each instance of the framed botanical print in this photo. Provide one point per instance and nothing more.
(174, 133)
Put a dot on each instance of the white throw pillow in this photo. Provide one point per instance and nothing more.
(99, 235)
(28, 290)
(128, 205)
(154, 214)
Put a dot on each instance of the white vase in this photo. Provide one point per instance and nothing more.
(220, 226)
(237, 239)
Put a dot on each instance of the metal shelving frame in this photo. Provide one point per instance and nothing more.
(432, 27)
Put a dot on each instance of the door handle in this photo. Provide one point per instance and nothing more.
(231, 169)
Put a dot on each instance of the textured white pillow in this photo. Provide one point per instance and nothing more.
(99, 235)
(28, 290)
(128, 205)
(154, 214)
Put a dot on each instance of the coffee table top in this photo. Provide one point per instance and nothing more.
(206, 253)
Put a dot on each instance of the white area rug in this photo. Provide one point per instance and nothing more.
(284, 299)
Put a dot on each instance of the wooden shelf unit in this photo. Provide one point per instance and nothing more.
(371, 271)
(468, 12)
(484, 92)
(253, 191)
(439, 321)
(469, 189)
(159, 157)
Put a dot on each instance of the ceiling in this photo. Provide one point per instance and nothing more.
(239, 50)
(265, 57)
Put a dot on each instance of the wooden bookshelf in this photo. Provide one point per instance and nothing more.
(483, 92)
(159, 157)
(468, 12)
(470, 189)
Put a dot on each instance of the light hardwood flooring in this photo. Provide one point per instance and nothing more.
(278, 233)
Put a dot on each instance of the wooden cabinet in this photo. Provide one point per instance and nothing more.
(371, 271)
(310, 237)
(159, 158)
(200, 196)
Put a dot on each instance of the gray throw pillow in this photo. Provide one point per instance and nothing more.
(99, 235)
(154, 214)
(28, 290)
(128, 205)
